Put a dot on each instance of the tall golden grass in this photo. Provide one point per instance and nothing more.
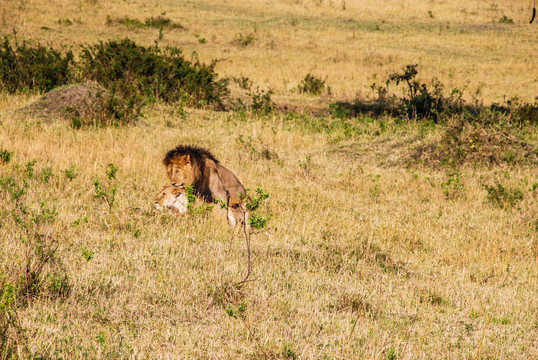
(351, 43)
(365, 256)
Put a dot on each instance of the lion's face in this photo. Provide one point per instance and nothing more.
(172, 197)
(180, 171)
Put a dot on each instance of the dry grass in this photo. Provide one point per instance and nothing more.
(463, 44)
(349, 241)
(365, 256)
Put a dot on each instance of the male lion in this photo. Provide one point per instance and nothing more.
(174, 198)
(190, 165)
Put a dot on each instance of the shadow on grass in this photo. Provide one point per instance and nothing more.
(511, 111)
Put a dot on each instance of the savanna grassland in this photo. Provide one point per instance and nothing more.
(388, 235)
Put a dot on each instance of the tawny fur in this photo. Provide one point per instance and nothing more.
(173, 198)
(190, 165)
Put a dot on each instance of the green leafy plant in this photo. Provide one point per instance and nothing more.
(421, 102)
(262, 102)
(288, 352)
(5, 156)
(111, 171)
(140, 74)
(201, 209)
(503, 197)
(82, 219)
(70, 172)
(238, 311)
(87, 253)
(15, 189)
(391, 354)
(46, 174)
(256, 221)
(107, 195)
(30, 67)
(312, 85)
(453, 187)
(254, 202)
(29, 170)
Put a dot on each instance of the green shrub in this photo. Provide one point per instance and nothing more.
(87, 253)
(70, 172)
(421, 102)
(340, 110)
(520, 112)
(312, 85)
(33, 67)
(252, 204)
(262, 102)
(141, 74)
(503, 197)
(453, 187)
(5, 156)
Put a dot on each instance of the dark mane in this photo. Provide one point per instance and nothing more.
(194, 152)
(201, 173)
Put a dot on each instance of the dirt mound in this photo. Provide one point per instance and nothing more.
(463, 142)
(86, 100)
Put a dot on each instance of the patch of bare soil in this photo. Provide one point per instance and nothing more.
(85, 100)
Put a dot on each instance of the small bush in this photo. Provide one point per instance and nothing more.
(158, 22)
(520, 112)
(5, 156)
(340, 110)
(312, 85)
(262, 102)
(453, 187)
(503, 197)
(244, 41)
(421, 102)
(46, 174)
(33, 67)
(86, 253)
(70, 172)
(253, 203)
(505, 20)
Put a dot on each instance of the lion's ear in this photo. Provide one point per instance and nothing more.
(187, 159)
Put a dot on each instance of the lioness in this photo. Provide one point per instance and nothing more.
(190, 165)
(174, 198)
